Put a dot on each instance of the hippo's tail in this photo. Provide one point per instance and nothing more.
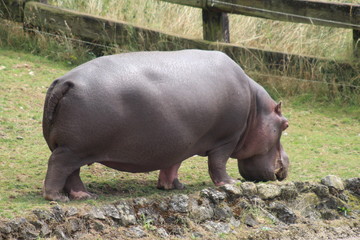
(55, 93)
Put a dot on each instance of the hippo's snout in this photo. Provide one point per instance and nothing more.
(261, 168)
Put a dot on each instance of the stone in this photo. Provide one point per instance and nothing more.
(310, 213)
(333, 181)
(213, 195)
(43, 215)
(201, 210)
(72, 211)
(288, 191)
(163, 205)
(161, 232)
(97, 226)
(176, 230)
(303, 187)
(17, 224)
(307, 204)
(244, 204)
(126, 213)
(249, 189)
(29, 234)
(59, 233)
(268, 191)
(179, 203)
(111, 211)
(4, 228)
(59, 213)
(136, 232)
(250, 220)
(23, 229)
(233, 191)
(217, 227)
(222, 212)
(333, 203)
(72, 225)
(257, 202)
(329, 215)
(321, 191)
(234, 222)
(141, 201)
(271, 217)
(149, 214)
(309, 199)
(97, 213)
(45, 230)
(353, 185)
(282, 212)
(37, 223)
(177, 219)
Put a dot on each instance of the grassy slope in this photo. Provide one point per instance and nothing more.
(322, 140)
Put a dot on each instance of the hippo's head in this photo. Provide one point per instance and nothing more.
(262, 157)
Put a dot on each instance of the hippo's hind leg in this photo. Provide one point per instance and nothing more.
(168, 178)
(75, 187)
(62, 163)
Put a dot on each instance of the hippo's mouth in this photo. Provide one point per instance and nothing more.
(280, 172)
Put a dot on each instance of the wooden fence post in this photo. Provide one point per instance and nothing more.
(215, 26)
(14, 9)
(356, 41)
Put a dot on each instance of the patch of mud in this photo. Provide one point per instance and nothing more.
(292, 210)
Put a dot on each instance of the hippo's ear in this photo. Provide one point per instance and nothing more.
(278, 108)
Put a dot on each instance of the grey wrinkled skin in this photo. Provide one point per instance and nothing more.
(146, 111)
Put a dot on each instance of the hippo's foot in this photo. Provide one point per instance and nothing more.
(176, 184)
(81, 195)
(59, 197)
(227, 181)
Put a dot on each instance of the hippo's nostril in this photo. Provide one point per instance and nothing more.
(285, 125)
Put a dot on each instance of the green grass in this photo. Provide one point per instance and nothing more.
(322, 139)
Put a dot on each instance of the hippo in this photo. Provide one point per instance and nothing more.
(147, 111)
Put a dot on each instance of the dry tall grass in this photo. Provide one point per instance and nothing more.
(317, 80)
(333, 43)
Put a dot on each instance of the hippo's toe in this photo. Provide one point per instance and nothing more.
(80, 195)
(175, 185)
(59, 197)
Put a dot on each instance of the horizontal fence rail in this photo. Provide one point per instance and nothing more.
(329, 14)
(340, 15)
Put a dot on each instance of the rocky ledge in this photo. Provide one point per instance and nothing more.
(291, 210)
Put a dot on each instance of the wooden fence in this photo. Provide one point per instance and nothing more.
(42, 17)
(330, 14)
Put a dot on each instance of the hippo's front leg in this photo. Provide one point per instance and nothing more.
(217, 159)
(168, 178)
